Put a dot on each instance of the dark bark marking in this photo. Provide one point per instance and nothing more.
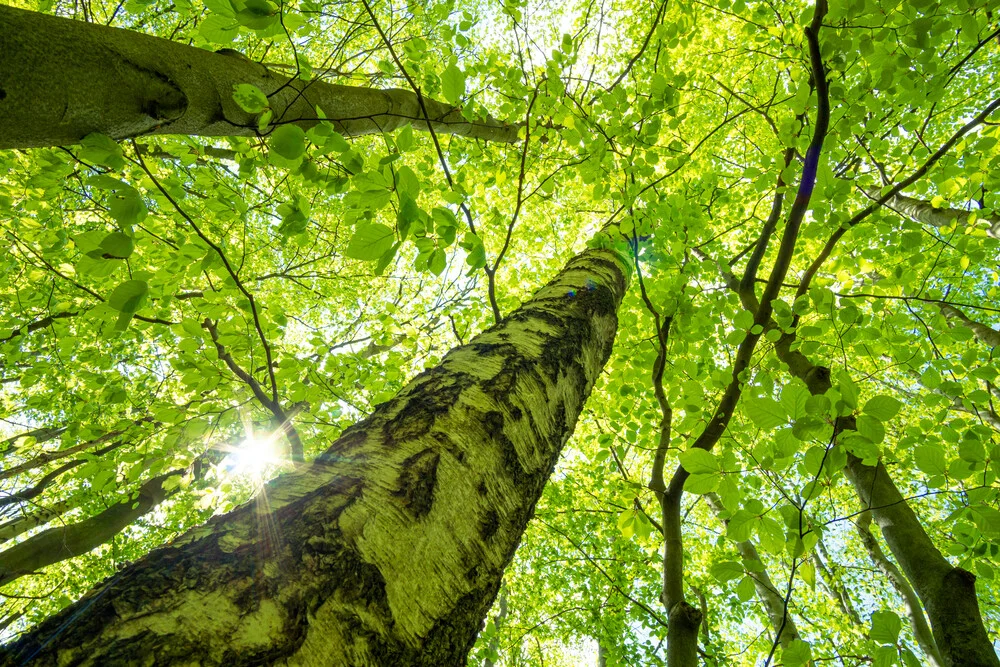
(448, 444)
(614, 269)
(493, 423)
(818, 379)
(3, 94)
(459, 628)
(352, 438)
(481, 489)
(488, 349)
(516, 414)
(162, 99)
(435, 393)
(417, 481)
(489, 525)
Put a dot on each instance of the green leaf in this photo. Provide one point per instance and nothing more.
(288, 141)
(115, 245)
(871, 428)
(743, 320)
(437, 262)
(798, 653)
(727, 571)
(404, 138)
(745, 590)
(909, 659)
(444, 217)
(129, 296)
(220, 7)
(250, 98)
(700, 484)
(699, 461)
(765, 412)
(885, 627)
(794, 399)
(407, 183)
(741, 526)
(886, 656)
(370, 241)
(882, 408)
(219, 29)
(386, 259)
(848, 390)
(99, 149)
(453, 84)
(127, 207)
(258, 14)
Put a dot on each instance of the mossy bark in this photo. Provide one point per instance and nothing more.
(389, 548)
(61, 80)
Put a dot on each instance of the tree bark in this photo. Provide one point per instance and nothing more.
(987, 335)
(948, 593)
(921, 630)
(61, 80)
(389, 548)
(922, 211)
(768, 595)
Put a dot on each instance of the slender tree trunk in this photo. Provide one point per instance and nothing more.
(948, 593)
(834, 586)
(61, 79)
(683, 619)
(389, 548)
(768, 595)
(602, 654)
(921, 630)
(498, 620)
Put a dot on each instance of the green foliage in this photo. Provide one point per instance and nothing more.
(131, 266)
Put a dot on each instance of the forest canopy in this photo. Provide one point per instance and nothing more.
(282, 215)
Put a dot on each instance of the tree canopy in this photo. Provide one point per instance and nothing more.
(791, 455)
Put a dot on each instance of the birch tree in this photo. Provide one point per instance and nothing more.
(304, 302)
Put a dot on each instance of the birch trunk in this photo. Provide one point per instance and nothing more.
(389, 548)
(61, 79)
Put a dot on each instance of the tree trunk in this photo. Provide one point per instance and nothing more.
(389, 548)
(767, 593)
(61, 79)
(918, 622)
(924, 212)
(948, 593)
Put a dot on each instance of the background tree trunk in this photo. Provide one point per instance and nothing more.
(388, 549)
(948, 593)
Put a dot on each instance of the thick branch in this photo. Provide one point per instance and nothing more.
(922, 211)
(948, 593)
(64, 79)
(61, 542)
(987, 335)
